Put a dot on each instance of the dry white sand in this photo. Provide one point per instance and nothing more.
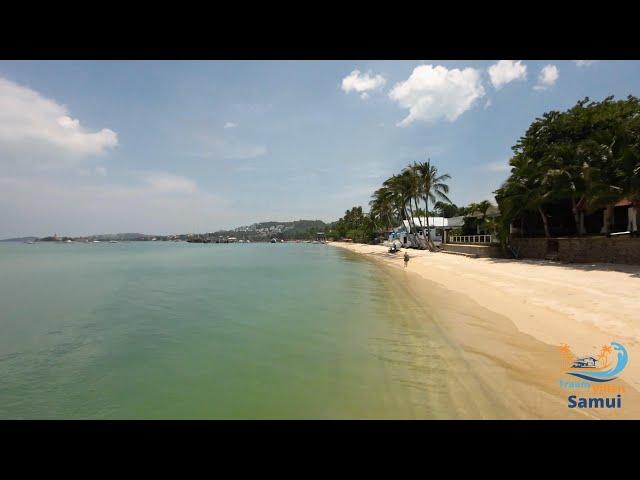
(582, 305)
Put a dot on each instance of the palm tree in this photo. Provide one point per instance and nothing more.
(444, 209)
(432, 189)
(527, 189)
(517, 198)
(588, 156)
(482, 209)
(603, 356)
(414, 182)
(400, 193)
(382, 206)
(567, 356)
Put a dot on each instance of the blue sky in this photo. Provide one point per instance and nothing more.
(176, 147)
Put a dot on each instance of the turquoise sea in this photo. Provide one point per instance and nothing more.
(161, 330)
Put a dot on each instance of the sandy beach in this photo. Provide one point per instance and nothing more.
(509, 318)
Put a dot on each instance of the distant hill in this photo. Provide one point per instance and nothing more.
(122, 236)
(262, 231)
(298, 229)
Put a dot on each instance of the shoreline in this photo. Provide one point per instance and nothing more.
(509, 318)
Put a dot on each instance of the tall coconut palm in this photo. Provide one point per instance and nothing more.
(382, 206)
(414, 182)
(432, 189)
(400, 192)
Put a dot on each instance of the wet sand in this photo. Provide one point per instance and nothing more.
(504, 321)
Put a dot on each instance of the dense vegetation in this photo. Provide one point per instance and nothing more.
(405, 196)
(265, 231)
(578, 162)
(355, 224)
(581, 160)
(401, 198)
(303, 230)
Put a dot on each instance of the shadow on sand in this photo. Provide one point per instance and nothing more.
(631, 270)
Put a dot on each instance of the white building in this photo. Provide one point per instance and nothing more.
(437, 226)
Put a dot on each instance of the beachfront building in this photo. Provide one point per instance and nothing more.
(585, 362)
(438, 229)
(621, 216)
(477, 220)
(478, 228)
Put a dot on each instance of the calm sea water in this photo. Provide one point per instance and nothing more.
(177, 330)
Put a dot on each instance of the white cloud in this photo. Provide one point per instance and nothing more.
(230, 125)
(30, 122)
(431, 93)
(506, 71)
(584, 63)
(362, 83)
(548, 76)
(488, 103)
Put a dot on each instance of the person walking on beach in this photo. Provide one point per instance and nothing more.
(406, 259)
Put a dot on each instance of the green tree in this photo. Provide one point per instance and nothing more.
(481, 209)
(383, 209)
(355, 224)
(587, 156)
(447, 210)
(400, 191)
(432, 188)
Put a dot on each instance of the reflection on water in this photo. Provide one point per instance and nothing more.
(140, 330)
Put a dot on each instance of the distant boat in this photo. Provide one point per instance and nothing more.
(30, 242)
(67, 241)
(113, 241)
(96, 241)
(273, 240)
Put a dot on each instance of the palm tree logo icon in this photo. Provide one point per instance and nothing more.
(568, 358)
(597, 367)
(603, 356)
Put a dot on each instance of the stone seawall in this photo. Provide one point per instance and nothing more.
(490, 251)
(619, 249)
